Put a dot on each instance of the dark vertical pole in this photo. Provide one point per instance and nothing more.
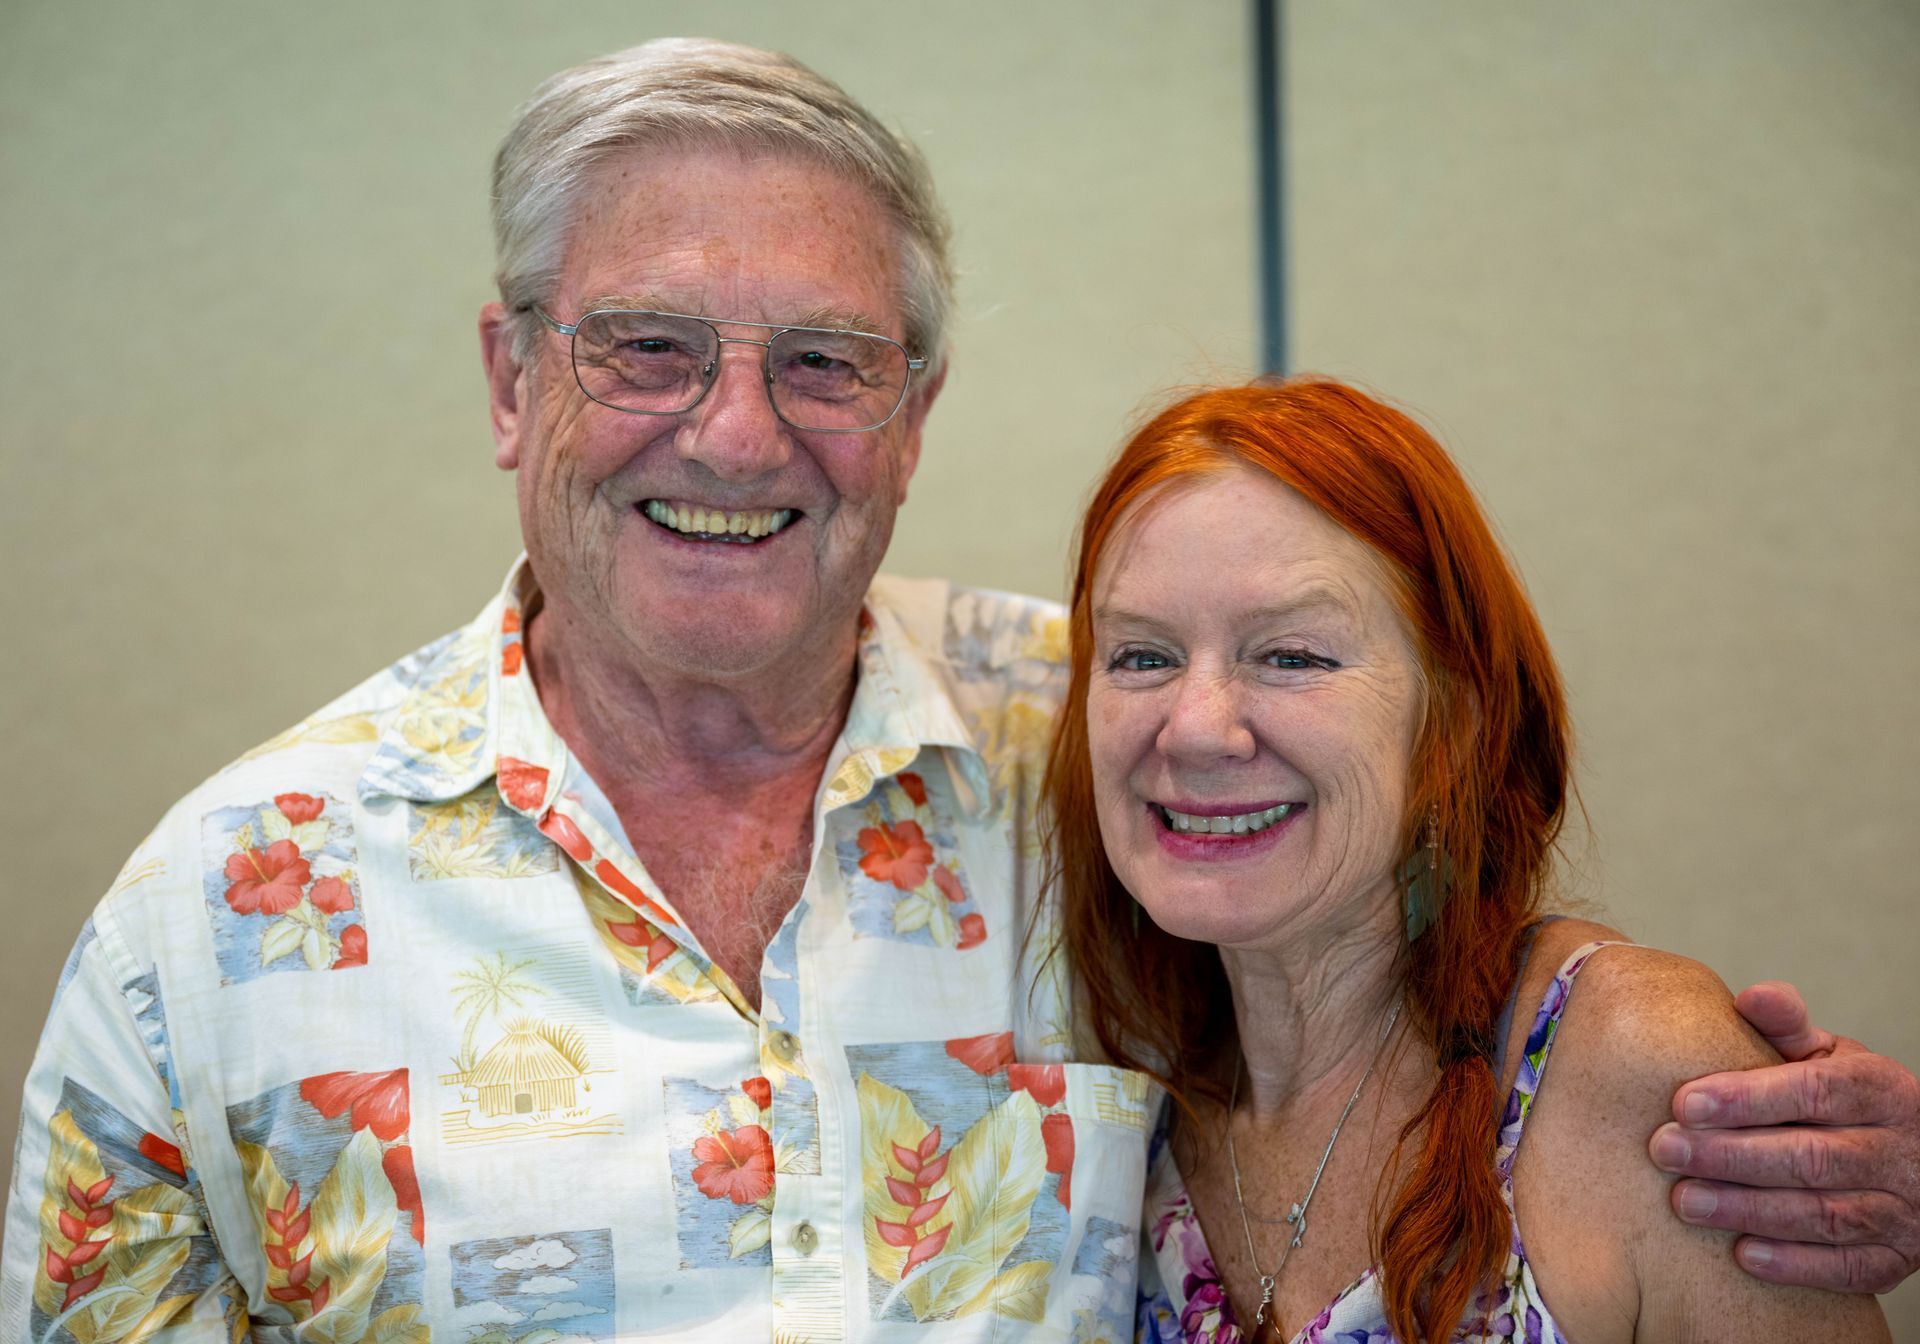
(1268, 96)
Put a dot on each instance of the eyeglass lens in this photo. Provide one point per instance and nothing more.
(662, 364)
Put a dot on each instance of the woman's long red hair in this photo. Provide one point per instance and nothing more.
(1490, 766)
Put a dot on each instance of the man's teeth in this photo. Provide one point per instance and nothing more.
(691, 519)
(1245, 823)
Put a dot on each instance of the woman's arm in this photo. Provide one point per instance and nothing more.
(1608, 1254)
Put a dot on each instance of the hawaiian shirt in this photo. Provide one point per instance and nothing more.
(385, 1034)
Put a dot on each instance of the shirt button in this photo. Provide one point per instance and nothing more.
(785, 1048)
(805, 1239)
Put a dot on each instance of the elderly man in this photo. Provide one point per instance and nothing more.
(656, 955)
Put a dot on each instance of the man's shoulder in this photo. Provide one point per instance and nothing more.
(977, 632)
(296, 789)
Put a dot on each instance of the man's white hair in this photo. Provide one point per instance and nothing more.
(681, 92)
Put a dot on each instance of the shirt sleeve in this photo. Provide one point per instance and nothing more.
(106, 1236)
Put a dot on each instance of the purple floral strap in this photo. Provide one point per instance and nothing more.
(1533, 1059)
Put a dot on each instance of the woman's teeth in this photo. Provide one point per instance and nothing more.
(1244, 823)
(744, 525)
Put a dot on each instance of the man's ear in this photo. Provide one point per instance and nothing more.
(919, 402)
(506, 384)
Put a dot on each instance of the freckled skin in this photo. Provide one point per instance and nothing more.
(1187, 582)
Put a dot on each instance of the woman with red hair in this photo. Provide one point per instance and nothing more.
(1315, 733)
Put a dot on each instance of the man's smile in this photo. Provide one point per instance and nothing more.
(700, 522)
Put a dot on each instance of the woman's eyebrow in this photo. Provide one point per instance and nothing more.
(1309, 601)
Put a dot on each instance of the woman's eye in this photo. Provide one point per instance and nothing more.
(1138, 660)
(1297, 660)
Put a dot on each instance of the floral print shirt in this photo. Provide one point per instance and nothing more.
(1182, 1300)
(385, 1034)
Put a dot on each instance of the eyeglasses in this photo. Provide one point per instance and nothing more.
(818, 378)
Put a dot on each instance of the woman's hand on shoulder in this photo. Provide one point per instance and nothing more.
(1639, 1023)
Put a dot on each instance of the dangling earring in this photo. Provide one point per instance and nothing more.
(1423, 879)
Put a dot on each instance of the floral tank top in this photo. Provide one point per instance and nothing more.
(1182, 1300)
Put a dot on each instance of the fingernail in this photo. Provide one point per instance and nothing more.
(1699, 1107)
(1757, 1254)
(1671, 1148)
(1697, 1201)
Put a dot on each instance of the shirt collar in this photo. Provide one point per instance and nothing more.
(904, 701)
(470, 704)
(442, 742)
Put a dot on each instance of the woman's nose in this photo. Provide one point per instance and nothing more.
(1207, 721)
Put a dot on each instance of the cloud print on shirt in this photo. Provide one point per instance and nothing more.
(543, 1254)
(548, 1283)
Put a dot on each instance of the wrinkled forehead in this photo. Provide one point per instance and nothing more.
(697, 227)
(1234, 530)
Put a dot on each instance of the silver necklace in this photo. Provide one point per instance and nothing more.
(1297, 1215)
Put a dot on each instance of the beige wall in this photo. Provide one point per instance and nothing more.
(1644, 268)
(1651, 270)
(247, 458)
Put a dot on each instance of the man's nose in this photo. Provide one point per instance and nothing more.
(1207, 720)
(734, 431)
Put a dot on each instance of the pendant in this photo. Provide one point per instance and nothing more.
(1297, 1220)
(1266, 1300)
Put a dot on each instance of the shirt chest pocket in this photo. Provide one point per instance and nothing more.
(1026, 1217)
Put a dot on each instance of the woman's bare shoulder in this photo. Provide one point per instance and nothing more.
(1638, 1023)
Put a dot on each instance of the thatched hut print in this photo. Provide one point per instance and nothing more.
(535, 1068)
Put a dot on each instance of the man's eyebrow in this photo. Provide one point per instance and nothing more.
(830, 316)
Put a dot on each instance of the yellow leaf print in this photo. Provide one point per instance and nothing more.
(996, 1171)
(146, 1234)
(72, 1164)
(267, 1192)
(353, 1217)
(347, 729)
(1020, 1293)
(888, 1121)
(399, 1325)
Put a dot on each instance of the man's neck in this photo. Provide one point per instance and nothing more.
(629, 720)
(713, 780)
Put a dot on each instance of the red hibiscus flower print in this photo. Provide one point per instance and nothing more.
(510, 658)
(521, 784)
(267, 881)
(378, 1100)
(916, 787)
(161, 1153)
(758, 1091)
(1056, 1132)
(736, 1166)
(983, 1054)
(560, 829)
(973, 932)
(510, 621)
(949, 884)
(353, 947)
(898, 853)
(332, 895)
(1047, 1083)
(299, 808)
(397, 1163)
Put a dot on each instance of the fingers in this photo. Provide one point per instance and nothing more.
(1849, 1087)
(1839, 1269)
(1775, 1009)
(1804, 1157)
(1834, 1217)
